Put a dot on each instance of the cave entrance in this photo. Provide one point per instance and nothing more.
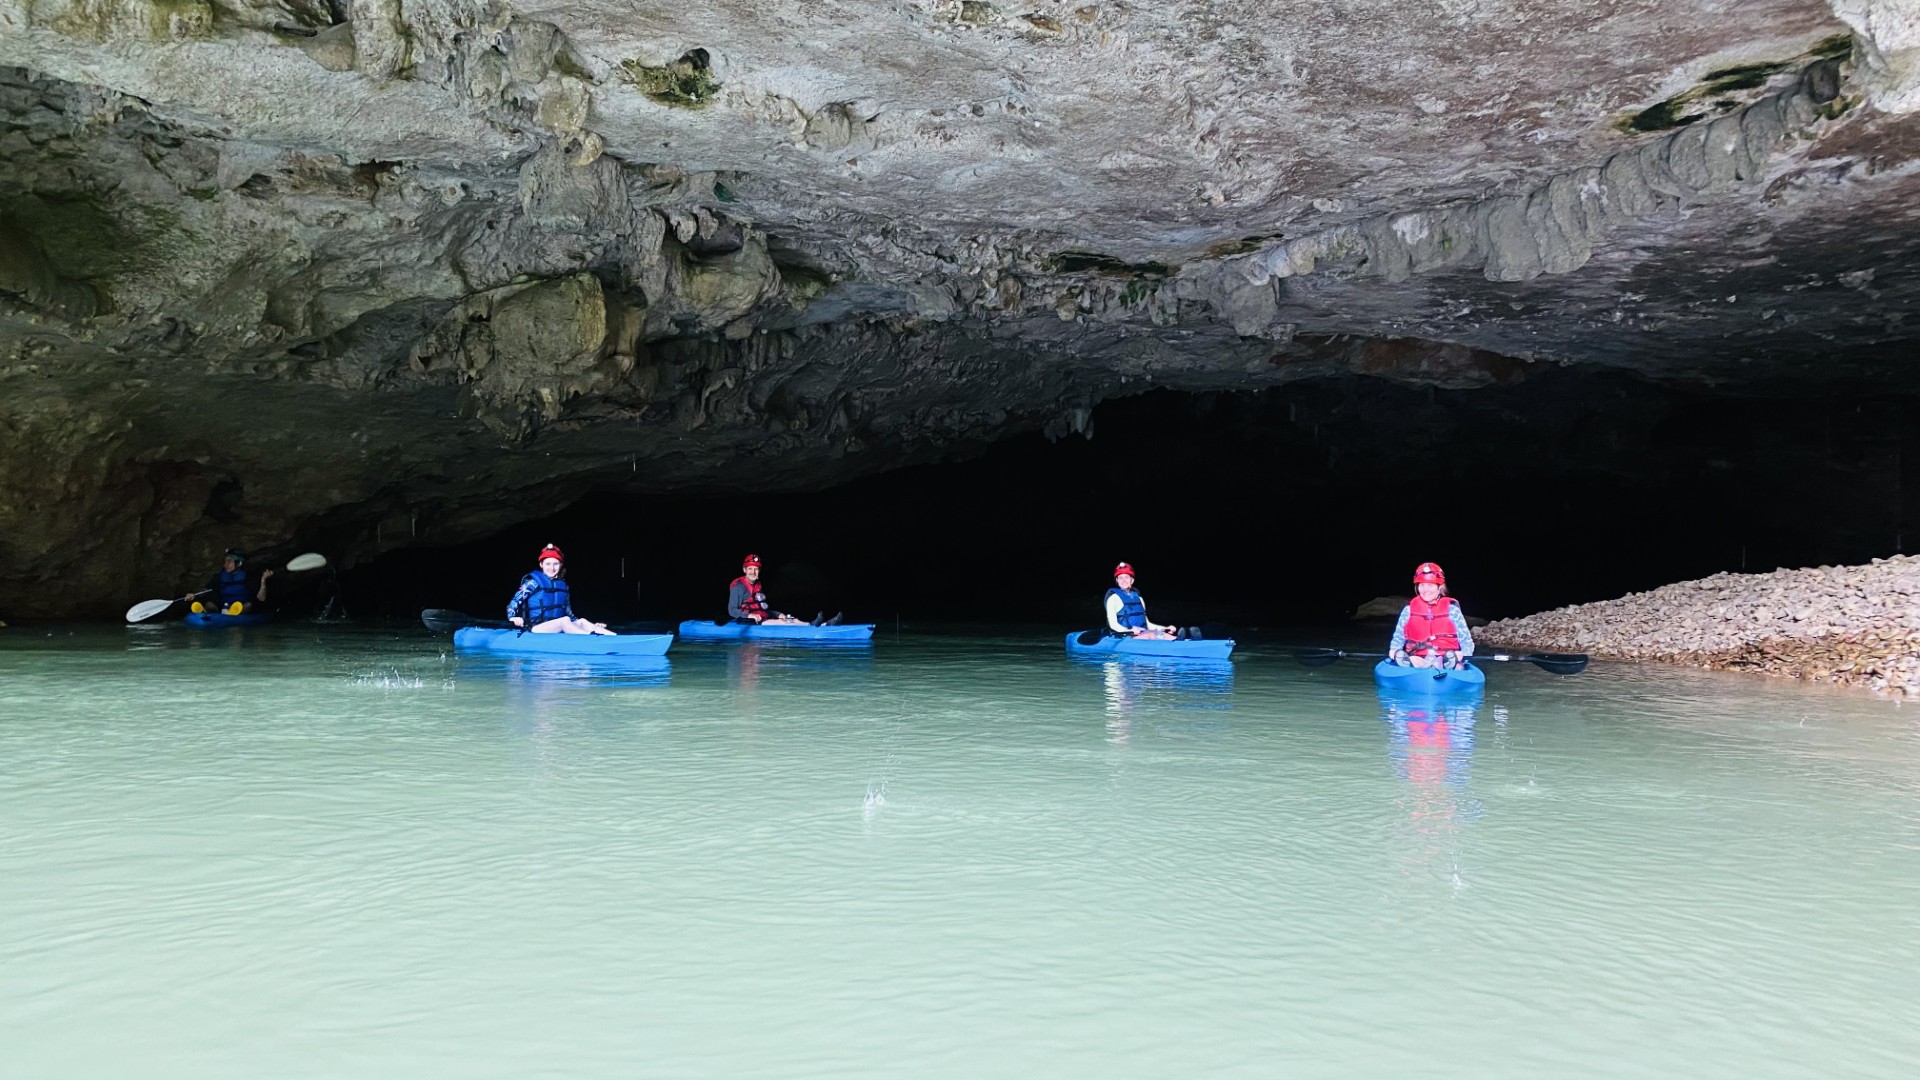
(1285, 506)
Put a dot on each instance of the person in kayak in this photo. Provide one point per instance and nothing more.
(1431, 632)
(1127, 612)
(747, 601)
(228, 591)
(544, 604)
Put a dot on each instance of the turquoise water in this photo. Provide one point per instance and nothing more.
(307, 852)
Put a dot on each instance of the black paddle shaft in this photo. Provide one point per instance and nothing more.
(1556, 663)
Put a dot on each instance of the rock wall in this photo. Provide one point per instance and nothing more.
(276, 271)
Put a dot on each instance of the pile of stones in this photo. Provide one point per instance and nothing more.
(1850, 625)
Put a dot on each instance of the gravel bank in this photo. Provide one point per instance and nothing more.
(1851, 625)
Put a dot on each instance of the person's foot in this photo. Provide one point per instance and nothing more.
(818, 618)
(835, 621)
(1194, 634)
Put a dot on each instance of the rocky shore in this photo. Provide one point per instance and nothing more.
(1850, 625)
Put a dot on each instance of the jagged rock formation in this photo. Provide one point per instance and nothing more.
(372, 273)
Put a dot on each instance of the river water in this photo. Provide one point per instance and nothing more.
(300, 851)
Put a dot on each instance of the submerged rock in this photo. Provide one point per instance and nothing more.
(1380, 607)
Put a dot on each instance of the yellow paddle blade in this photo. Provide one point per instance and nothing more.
(236, 608)
(199, 608)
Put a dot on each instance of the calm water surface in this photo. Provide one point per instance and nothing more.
(329, 852)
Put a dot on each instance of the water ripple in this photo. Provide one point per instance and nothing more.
(348, 854)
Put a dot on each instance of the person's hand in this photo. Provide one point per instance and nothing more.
(517, 621)
(265, 574)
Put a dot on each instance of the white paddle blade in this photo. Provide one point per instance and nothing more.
(147, 609)
(312, 560)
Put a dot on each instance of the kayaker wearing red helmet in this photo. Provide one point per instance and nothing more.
(544, 604)
(1431, 632)
(747, 602)
(1127, 612)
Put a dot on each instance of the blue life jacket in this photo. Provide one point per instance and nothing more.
(1133, 610)
(546, 598)
(232, 588)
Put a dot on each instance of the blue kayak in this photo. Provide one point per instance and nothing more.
(1413, 680)
(523, 643)
(221, 618)
(706, 630)
(1097, 643)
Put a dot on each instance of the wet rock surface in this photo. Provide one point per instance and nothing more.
(1850, 625)
(275, 272)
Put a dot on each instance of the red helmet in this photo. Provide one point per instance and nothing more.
(1125, 568)
(1429, 571)
(751, 560)
(550, 552)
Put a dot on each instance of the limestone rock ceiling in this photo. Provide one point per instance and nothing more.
(371, 272)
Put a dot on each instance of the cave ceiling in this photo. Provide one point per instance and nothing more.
(375, 272)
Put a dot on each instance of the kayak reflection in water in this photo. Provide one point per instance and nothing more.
(1431, 746)
(747, 601)
(1431, 632)
(230, 590)
(544, 604)
(1127, 612)
(1431, 742)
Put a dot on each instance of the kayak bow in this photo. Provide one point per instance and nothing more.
(524, 643)
(1096, 643)
(1413, 680)
(705, 630)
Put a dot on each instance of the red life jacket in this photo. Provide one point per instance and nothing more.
(756, 601)
(1430, 626)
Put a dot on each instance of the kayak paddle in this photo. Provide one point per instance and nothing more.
(1323, 657)
(1557, 663)
(446, 621)
(147, 609)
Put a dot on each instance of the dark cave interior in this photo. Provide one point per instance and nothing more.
(1290, 506)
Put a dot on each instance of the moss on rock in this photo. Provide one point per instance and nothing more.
(686, 83)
